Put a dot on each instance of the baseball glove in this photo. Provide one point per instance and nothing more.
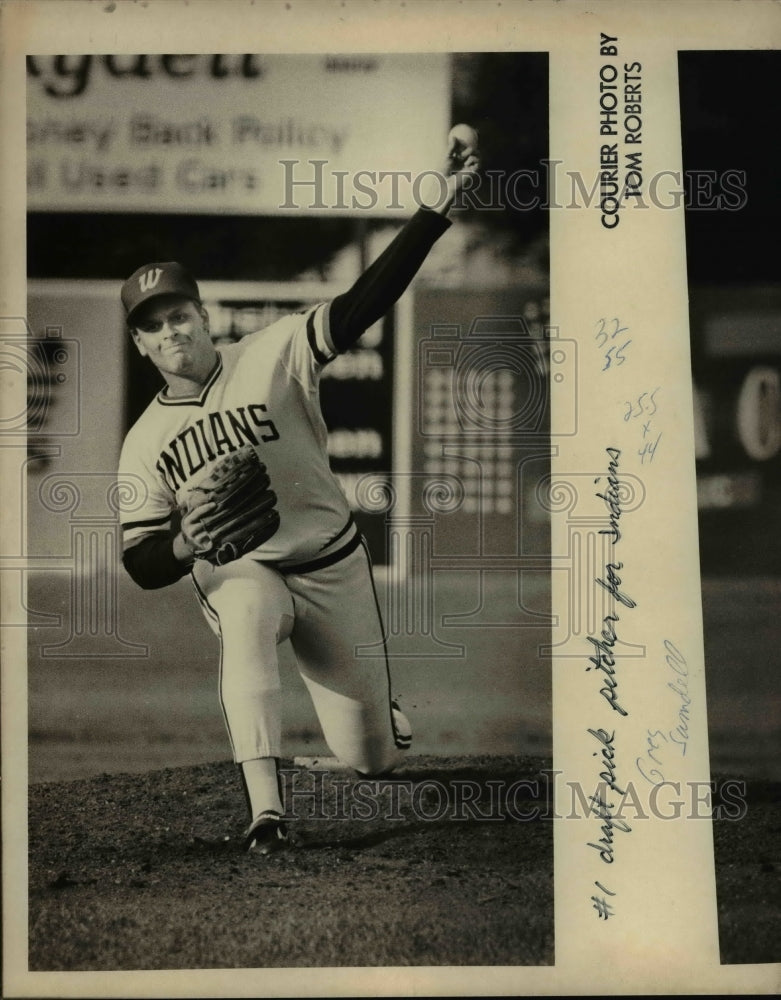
(232, 510)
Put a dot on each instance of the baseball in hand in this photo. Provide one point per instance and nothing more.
(462, 138)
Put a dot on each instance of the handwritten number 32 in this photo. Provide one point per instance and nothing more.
(609, 330)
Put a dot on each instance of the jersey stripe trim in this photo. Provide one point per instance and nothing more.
(320, 348)
(198, 400)
(329, 560)
(339, 534)
(328, 339)
(320, 357)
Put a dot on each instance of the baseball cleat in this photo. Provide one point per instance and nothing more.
(402, 730)
(267, 834)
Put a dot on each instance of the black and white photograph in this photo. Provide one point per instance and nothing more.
(391, 419)
(290, 568)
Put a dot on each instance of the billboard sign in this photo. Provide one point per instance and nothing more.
(234, 134)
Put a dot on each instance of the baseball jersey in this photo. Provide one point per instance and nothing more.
(263, 391)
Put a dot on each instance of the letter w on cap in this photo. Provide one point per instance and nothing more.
(149, 279)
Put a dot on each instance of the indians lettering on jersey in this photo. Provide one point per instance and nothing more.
(211, 437)
(264, 392)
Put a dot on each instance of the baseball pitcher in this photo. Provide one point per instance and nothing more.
(239, 495)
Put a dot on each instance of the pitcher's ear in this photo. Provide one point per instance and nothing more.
(137, 341)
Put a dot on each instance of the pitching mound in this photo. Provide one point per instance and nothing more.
(447, 864)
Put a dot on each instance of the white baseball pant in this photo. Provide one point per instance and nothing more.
(327, 614)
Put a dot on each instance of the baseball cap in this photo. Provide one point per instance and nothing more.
(151, 280)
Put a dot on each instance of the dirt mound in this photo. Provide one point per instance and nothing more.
(449, 863)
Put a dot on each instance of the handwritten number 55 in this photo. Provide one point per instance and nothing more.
(618, 357)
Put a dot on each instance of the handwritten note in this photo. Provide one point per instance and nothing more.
(603, 658)
(604, 804)
(644, 408)
(611, 342)
(668, 742)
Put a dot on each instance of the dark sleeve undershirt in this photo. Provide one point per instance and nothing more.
(152, 563)
(381, 284)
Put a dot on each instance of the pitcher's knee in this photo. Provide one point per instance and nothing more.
(375, 764)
